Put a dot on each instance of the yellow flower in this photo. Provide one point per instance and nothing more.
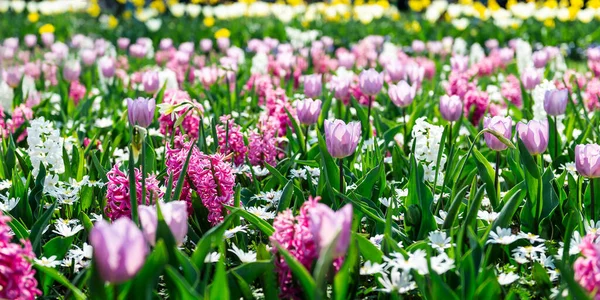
(33, 17)
(593, 4)
(383, 3)
(493, 5)
(418, 5)
(480, 8)
(112, 22)
(127, 15)
(47, 28)
(295, 2)
(573, 12)
(577, 3)
(94, 10)
(138, 3)
(122, 1)
(222, 33)
(551, 4)
(305, 24)
(395, 16)
(549, 23)
(209, 21)
(416, 27)
(159, 6)
(510, 3)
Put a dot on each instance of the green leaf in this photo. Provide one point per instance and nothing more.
(181, 288)
(143, 284)
(210, 239)
(50, 272)
(367, 249)
(344, 277)
(517, 194)
(286, 196)
(366, 184)
(487, 176)
(297, 130)
(219, 288)
(454, 207)
(261, 224)
(37, 230)
(528, 161)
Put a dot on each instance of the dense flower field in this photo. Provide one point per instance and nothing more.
(288, 151)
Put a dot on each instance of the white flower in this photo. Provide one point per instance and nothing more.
(65, 230)
(507, 278)
(229, 233)
(529, 252)
(439, 240)
(377, 240)
(487, 216)
(5, 184)
(258, 171)
(502, 236)
(398, 281)
(212, 257)
(370, 268)
(49, 262)
(442, 263)
(272, 197)
(531, 237)
(9, 204)
(261, 212)
(244, 257)
(314, 172)
(300, 173)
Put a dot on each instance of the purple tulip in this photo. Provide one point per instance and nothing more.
(72, 70)
(402, 94)
(119, 249)
(340, 85)
(137, 50)
(151, 82)
(175, 215)
(418, 46)
(312, 85)
(123, 43)
(587, 160)
(501, 125)
(48, 39)
(326, 225)
(346, 59)
(30, 40)
(341, 139)
(206, 45)
(223, 43)
(12, 43)
(308, 111)
(555, 102)
(13, 77)
(141, 111)
(459, 63)
(451, 107)
(506, 55)
(534, 135)
(530, 78)
(88, 57)
(540, 59)
(491, 44)
(371, 82)
(107, 66)
(187, 47)
(395, 70)
(166, 44)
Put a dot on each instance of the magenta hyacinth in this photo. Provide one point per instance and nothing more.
(451, 107)
(77, 91)
(175, 215)
(327, 225)
(341, 138)
(17, 276)
(308, 111)
(141, 111)
(370, 82)
(534, 135)
(119, 249)
(312, 85)
(191, 121)
(402, 94)
(587, 266)
(555, 102)
(587, 160)
(118, 203)
(501, 125)
(262, 148)
(231, 139)
(478, 102)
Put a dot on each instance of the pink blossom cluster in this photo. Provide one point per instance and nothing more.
(118, 201)
(592, 92)
(231, 139)
(77, 91)
(210, 176)
(587, 267)
(191, 121)
(475, 105)
(511, 90)
(17, 277)
(262, 145)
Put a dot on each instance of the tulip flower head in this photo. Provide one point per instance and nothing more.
(341, 138)
(308, 111)
(587, 160)
(501, 125)
(141, 111)
(451, 107)
(555, 102)
(312, 85)
(174, 214)
(370, 82)
(402, 94)
(326, 225)
(119, 249)
(534, 135)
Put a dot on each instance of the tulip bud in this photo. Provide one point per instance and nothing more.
(501, 125)
(88, 57)
(346, 59)
(150, 81)
(451, 107)
(123, 43)
(166, 44)
(308, 110)
(141, 111)
(119, 249)
(30, 40)
(13, 77)
(326, 225)
(534, 135)
(223, 43)
(530, 78)
(341, 138)
(395, 70)
(371, 82)
(587, 160)
(459, 63)
(48, 39)
(206, 45)
(107, 66)
(540, 59)
(402, 94)
(555, 101)
(312, 85)
(174, 214)
(72, 70)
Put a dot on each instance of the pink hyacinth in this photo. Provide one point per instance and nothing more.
(175, 159)
(511, 90)
(20, 115)
(587, 267)
(459, 84)
(261, 148)
(118, 203)
(76, 91)
(478, 101)
(191, 121)
(231, 139)
(592, 92)
(17, 277)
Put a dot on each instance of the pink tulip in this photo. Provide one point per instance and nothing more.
(534, 135)
(326, 225)
(308, 110)
(341, 138)
(501, 125)
(587, 160)
(451, 107)
(174, 214)
(402, 94)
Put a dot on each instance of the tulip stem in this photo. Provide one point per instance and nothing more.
(371, 99)
(555, 140)
(341, 164)
(306, 138)
(496, 177)
(538, 204)
(592, 200)
(143, 169)
(404, 139)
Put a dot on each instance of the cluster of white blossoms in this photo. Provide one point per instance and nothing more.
(45, 148)
(299, 38)
(427, 139)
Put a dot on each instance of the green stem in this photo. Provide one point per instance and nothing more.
(555, 139)
(538, 204)
(341, 164)
(592, 200)
(143, 169)
(497, 175)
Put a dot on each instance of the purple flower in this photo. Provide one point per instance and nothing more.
(119, 249)
(312, 85)
(30, 40)
(88, 57)
(530, 78)
(141, 111)
(13, 77)
(534, 135)
(451, 107)
(175, 215)
(150, 81)
(326, 225)
(501, 125)
(166, 44)
(459, 63)
(540, 58)
(341, 139)
(395, 70)
(371, 82)
(71, 71)
(402, 94)
(587, 160)
(206, 45)
(123, 43)
(107, 66)
(48, 39)
(555, 101)
(308, 111)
